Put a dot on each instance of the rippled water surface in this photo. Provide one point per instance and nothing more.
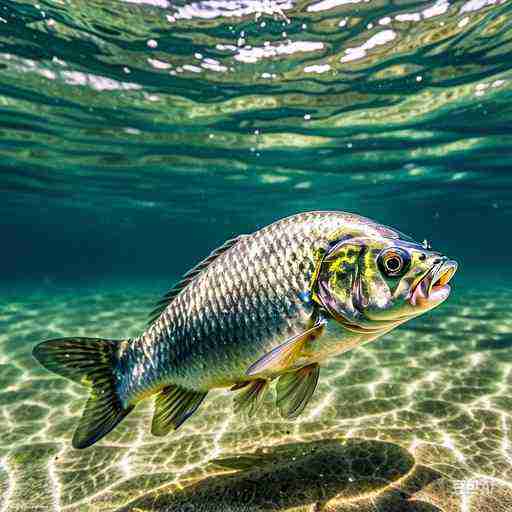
(136, 136)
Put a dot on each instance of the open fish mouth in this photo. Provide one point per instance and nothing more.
(433, 287)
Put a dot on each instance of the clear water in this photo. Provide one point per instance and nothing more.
(137, 136)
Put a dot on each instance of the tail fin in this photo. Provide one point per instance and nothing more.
(90, 362)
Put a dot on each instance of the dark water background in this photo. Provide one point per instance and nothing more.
(137, 135)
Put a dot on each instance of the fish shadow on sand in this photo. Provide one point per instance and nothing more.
(327, 475)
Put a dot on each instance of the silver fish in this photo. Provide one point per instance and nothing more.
(276, 304)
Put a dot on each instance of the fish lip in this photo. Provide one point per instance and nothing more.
(433, 286)
(443, 274)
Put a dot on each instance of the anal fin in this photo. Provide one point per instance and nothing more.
(173, 406)
(295, 389)
(251, 398)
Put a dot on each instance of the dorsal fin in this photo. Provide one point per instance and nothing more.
(189, 277)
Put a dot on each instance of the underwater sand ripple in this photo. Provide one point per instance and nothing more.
(434, 392)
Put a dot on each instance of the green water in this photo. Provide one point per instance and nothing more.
(136, 136)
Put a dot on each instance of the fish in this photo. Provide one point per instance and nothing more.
(264, 309)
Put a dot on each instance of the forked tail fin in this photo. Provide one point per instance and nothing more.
(90, 362)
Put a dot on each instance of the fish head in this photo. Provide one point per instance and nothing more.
(370, 285)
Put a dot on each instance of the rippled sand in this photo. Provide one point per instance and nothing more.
(419, 421)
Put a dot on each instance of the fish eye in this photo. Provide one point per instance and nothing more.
(393, 262)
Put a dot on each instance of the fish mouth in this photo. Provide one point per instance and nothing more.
(433, 287)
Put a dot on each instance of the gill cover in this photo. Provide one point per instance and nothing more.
(345, 283)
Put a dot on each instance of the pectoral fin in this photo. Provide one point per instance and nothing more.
(283, 356)
(295, 389)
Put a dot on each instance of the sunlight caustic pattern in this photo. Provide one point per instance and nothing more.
(422, 415)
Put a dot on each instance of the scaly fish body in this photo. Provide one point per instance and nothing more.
(244, 304)
(275, 304)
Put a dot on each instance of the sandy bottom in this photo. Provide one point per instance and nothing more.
(418, 421)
